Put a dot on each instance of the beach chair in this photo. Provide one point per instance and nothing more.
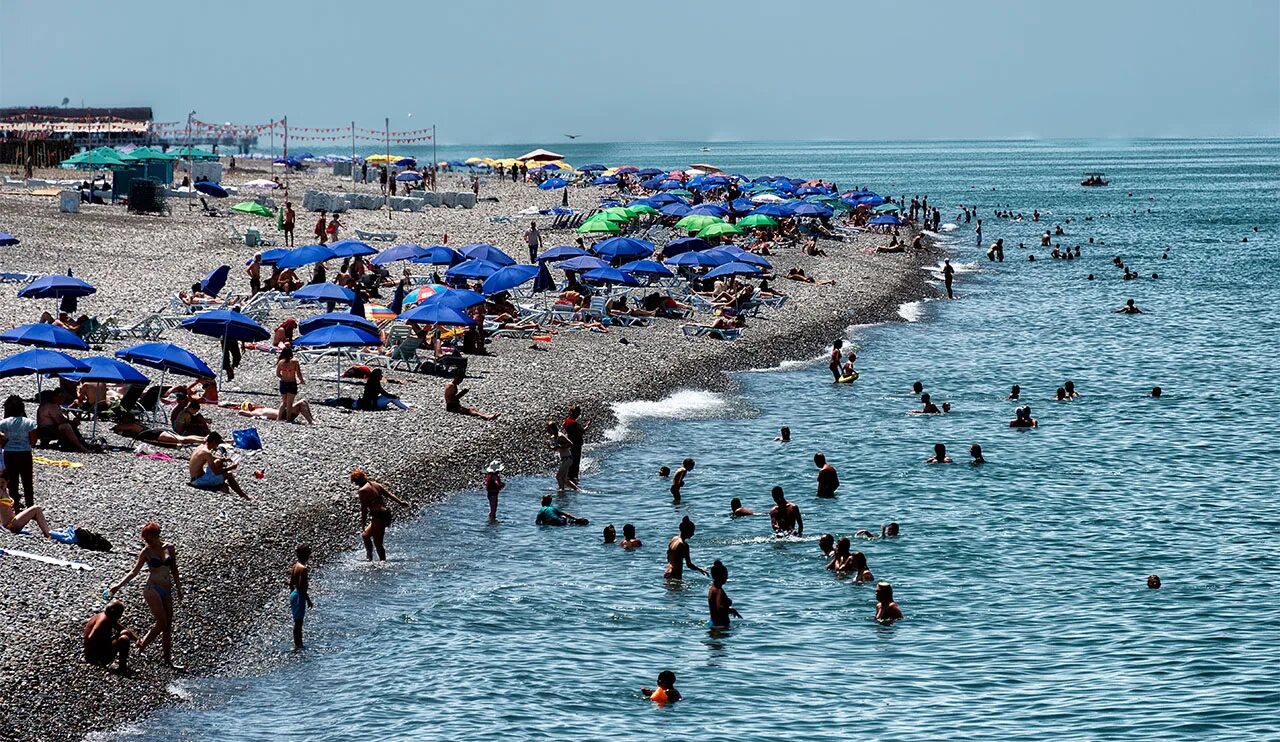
(376, 236)
(405, 354)
(700, 331)
(235, 235)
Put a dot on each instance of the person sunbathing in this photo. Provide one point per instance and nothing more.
(727, 322)
(130, 427)
(572, 298)
(14, 521)
(187, 420)
(65, 321)
(500, 308)
(211, 470)
(196, 297)
(453, 394)
(300, 408)
(798, 274)
(617, 306)
(53, 425)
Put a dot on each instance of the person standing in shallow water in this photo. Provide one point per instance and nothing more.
(375, 513)
(948, 277)
(300, 592)
(576, 430)
(835, 359)
(677, 482)
(719, 604)
(678, 555)
(828, 478)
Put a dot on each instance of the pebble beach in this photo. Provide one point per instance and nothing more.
(235, 554)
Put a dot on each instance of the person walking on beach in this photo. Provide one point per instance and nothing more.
(18, 434)
(163, 582)
(375, 513)
(254, 272)
(948, 277)
(785, 515)
(834, 364)
(493, 484)
(533, 239)
(576, 429)
(230, 356)
(300, 592)
(828, 478)
(678, 552)
(321, 230)
(289, 219)
(719, 604)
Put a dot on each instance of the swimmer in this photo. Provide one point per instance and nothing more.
(784, 436)
(1129, 308)
(678, 552)
(664, 472)
(887, 611)
(1024, 419)
(677, 483)
(1061, 395)
(1155, 392)
(1090, 277)
(629, 540)
(666, 691)
(939, 455)
(835, 359)
(1014, 392)
(927, 406)
(827, 545)
(610, 535)
(550, 515)
(946, 407)
(736, 510)
(889, 530)
(975, 455)
(719, 604)
(917, 388)
(785, 515)
(1153, 582)
(828, 477)
(1069, 387)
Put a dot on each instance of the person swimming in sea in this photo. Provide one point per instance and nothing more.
(917, 388)
(677, 482)
(629, 540)
(1069, 387)
(736, 510)
(1023, 419)
(887, 611)
(828, 477)
(610, 535)
(1014, 392)
(1156, 392)
(927, 406)
(1129, 308)
(678, 555)
(975, 455)
(1061, 395)
(664, 472)
(665, 692)
(939, 455)
(784, 516)
(1153, 582)
(888, 530)
(827, 545)
(784, 435)
(719, 604)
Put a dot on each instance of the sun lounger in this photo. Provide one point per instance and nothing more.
(18, 277)
(698, 331)
(376, 236)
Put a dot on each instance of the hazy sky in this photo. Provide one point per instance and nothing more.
(525, 71)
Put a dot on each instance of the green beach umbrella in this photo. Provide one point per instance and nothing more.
(598, 225)
(717, 230)
(613, 216)
(681, 192)
(697, 222)
(252, 207)
(95, 159)
(193, 153)
(147, 154)
(638, 209)
(886, 209)
(758, 220)
(618, 211)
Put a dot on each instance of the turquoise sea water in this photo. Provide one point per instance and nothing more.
(1023, 581)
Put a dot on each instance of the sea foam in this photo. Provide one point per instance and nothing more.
(680, 404)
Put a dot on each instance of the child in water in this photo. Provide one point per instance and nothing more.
(666, 691)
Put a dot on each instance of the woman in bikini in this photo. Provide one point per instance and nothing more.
(161, 561)
(129, 427)
(289, 371)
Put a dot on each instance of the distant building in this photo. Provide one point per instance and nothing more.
(85, 126)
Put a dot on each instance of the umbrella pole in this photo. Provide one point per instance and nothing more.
(155, 411)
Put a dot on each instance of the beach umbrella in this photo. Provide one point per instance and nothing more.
(870, 200)
(252, 207)
(740, 206)
(647, 268)
(193, 153)
(56, 287)
(551, 184)
(262, 183)
(8, 240)
(641, 208)
(670, 185)
(593, 167)
(885, 219)
(270, 257)
(438, 255)
(809, 209)
(101, 158)
(610, 276)
(710, 210)
(886, 208)
(436, 313)
(422, 293)
(604, 180)
(305, 255)
(676, 209)
(106, 371)
(561, 252)
(406, 251)
(697, 222)
(168, 358)
(212, 190)
(330, 292)
(623, 248)
(40, 361)
(694, 259)
(377, 312)
(648, 172)
(462, 299)
(719, 230)
(407, 162)
(684, 244)
(215, 280)
(487, 253)
(733, 269)
(44, 336)
(598, 226)
(337, 336)
(312, 324)
(229, 325)
(773, 210)
(408, 176)
(616, 214)
(509, 277)
(658, 200)
(544, 281)
(582, 263)
(352, 248)
(472, 269)
(757, 220)
(751, 258)
(767, 198)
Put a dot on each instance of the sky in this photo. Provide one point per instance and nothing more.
(488, 72)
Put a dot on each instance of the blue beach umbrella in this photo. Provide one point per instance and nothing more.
(693, 259)
(352, 248)
(211, 189)
(593, 167)
(647, 268)
(488, 253)
(648, 172)
(733, 269)
(107, 371)
(168, 358)
(56, 287)
(330, 292)
(406, 251)
(40, 361)
(439, 255)
(435, 313)
(408, 176)
(605, 180)
(43, 335)
(473, 269)
(623, 248)
(509, 277)
(684, 244)
(610, 275)
(582, 263)
(551, 184)
(710, 210)
(461, 299)
(213, 283)
(406, 162)
(544, 281)
(312, 324)
(272, 256)
(675, 209)
(658, 200)
(810, 209)
(773, 210)
(742, 206)
(885, 219)
(7, 240)
(306, 255)
(561, 252)
(337, 336)
(227, 324)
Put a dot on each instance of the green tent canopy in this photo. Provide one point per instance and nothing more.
(252, 207)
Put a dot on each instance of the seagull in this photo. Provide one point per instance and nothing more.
(573, 136)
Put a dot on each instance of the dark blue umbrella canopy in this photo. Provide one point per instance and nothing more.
(808, 209)
(326, 292)
(337, 336)
(44, 336)
(605, 180)
(509, 277)
(7, 239)
(544, 281)
(658, 200)
(40, 361)
(225, 323)
(581, 263)
(352, 248)
(435, 313)
(610, 275)
(211, 189)
(561, 252)
(741, 206)
(488, 253)
(306, 255)
(457, 298)
(216, 280)
(551, 184)
(670, 185)
(684, 244)
(472, 269)
(593, 167)
(407, 251)
(773, 210)
(693, 259)
(406, 162)
(651, 184)
(107, 371)
(312, 324)
(648, 172)
(710, 210)
(56, 287)
(270, 257)
(675, 209)
(408, 176)
(885, 219)
(647, 268)
(623, 248)
(166, 357)
(439, 255)
(733, 269)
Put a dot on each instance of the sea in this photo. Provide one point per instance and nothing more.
(1023, 581)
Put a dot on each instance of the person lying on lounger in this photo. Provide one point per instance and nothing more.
(130, 427)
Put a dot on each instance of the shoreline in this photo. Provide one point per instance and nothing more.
(234, 557)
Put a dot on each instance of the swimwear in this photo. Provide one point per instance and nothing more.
(288, 387)
(381, 516)
(163, 592)
(453, 406)
(297, 606)
(210, 480)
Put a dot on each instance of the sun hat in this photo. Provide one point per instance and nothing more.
(494, 467)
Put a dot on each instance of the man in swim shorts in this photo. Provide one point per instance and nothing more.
(785, 515)
(212, 472)
(107, 640)
(300, 592)
(375, 514)
(828, 478)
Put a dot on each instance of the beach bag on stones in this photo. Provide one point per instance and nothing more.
(247, 439)
(87, 539)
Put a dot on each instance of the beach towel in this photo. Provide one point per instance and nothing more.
(56, 462)
(248, 439)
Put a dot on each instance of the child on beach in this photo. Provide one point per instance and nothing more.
(300, 592)
(666, 691)
(493, 484)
